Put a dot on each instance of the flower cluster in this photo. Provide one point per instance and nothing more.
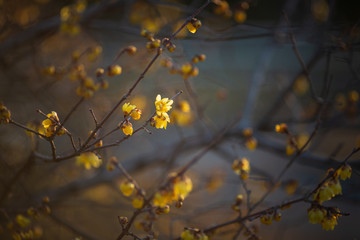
(193, 234)
(162, 106)
(129, 111)
(128, 188)
(186, 70)
(268, 218)
(51, 124)
(88, 160)
(182, 114)
(238, 202)
(70, 16)
(332, 187)
(241, 167)
(292, 145)
(250, 141)
(177, 190)
(4, 114)
(327, 217)
(222, 8)
(347, 104)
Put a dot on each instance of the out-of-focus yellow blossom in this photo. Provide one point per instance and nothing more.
(353, 96)
(240, 16)
(320, 10)
(88, 160)
(345, 172)
(87, 87)
(155, 43)
(291, 186)
(161, 198)
(266, 219)
(49, 70)
(324, 193)
(340, 102)
(127, 187)
(182, 186)
(251, 143)
(5, 114)
(281, 128)
(131, 50)
(138, 201)
(301, 85)
(127, 128)
(329, 222)
(302, 139)
(182, 114)
(316, 215)
(94, 53)
(186, 68)
(335, 186)
(277, 217)
(290, 148)
(70, 16)
(114, 70)
(241, 167)
(22, 221)
(166, 62)
(187, 235)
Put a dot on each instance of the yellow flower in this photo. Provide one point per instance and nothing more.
(190, 27)
(138, 201)
(187, 235)
(184, 106)
(240, 16)
(136, 114)
(89, 159)
(161, 199)
(160, 121)
(290, 149)
(114, 70)
(127, 128)
(193, 25)
(4, 114)
(316, 215)
(291, 187)
(51, 120)
(281, 128)
(329, 222)
(182, 186)
(22, 221)
(335, 187)
(345, 172)
(162, 105)
(324, 193)
(251, 143)
(186, 68)
(266, 219)
(127, 108)
(127, 187)
(181, 118)
(277, 216)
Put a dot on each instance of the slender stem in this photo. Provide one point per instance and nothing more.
(303, 65)
(26, 128)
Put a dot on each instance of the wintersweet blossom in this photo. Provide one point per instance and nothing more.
(89, 159)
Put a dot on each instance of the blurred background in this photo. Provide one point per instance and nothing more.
(251, 73)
